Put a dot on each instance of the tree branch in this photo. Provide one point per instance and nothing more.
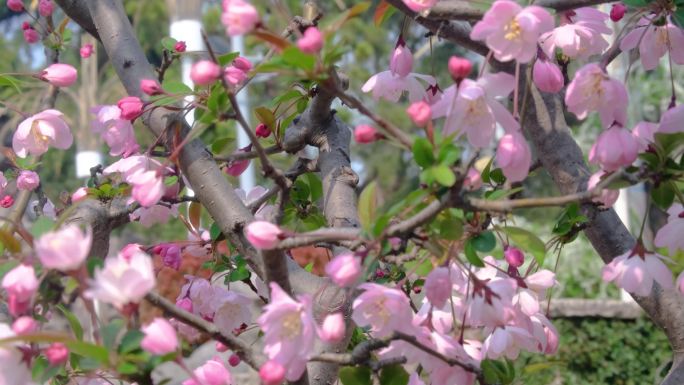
(463, 10)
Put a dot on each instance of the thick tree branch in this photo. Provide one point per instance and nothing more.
(463, 10)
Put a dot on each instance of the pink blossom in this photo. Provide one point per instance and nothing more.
(492, 302)
(514, 256)
(580, 34)
(383, 309)
(617, 12)
(635, 271)
(414, 379)
(333, 328)
(654, 42)
(513, 156)
(473, 180)
(593, 90)
(401, 62)
(272, 373)
(185, 304)
(420, 113)
(419, 5)
(459, 68)
(234, 360)
(201, 294)
(311, 41)
(86, 51)
(344, 270)
(221, 348)
(45, 7)
(24, 325)
(364, 133)
(213, 372)
(289, 331)
(476, 111)
(31, 35)
(3, 182)
(57, 353)
(607, 197)
(27, 180)
(80, 194)
(670, 235)
(130, 249)
(15, 5)
(122, 280)
(205, 72)
(116, 131)
(7, 201)
(149, 216)
(547, 76)
(230, 309)
(643, 132)
(507, 341)
(242, 63)
(671, 121)
(21, 283)
(14, 369)
(511, 31)
(180, 47)
(234, 76)
(540, 281)
(262, 131)
(615, 147)
(237, 167)
(143, 173)
(263, 235)
(387, 86)
(65, 249)
(131, 107)
(37, 133)
(160, 337)
(170, 254)
(438, 286)
(59, 75)
(151, 87)
(239, 17)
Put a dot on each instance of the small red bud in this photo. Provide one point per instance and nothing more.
(180, 47)
(234, 360)
(617, 12)
(459, 68)
(262, 131)
(7, 201)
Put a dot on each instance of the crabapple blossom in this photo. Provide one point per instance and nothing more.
(671, 121)
(234, 360)
(237, 167)
(151, 87)
(617, 12)
(144, 174)
(272, 373)
(15, 5)
(205, 72)
(670, 235)
(20, 283)
(45, 7)
(636, 270)
(86, 51)
(231, 309)
(27, 180)
(459, 68)
(383, 309)
(511, 31)
(514, 256)
(473, 180)
(644, 133)
(263, 235)
(344, 270)
(131, 107)
(655, 39)
(116, 131)
(593, 90)
(160, 337)
(59, 75)
(289, 331)
(547, 76)
(123, 280)
(333, 328)
(65, 249)
(180, 47)
(492, 302)
(506, 341)
(311, 41)
(24, 325)
(213, 372)
(262, 131)
(39, 132)
(401, 62)
(80, 194)
(239, 17)
(419, 5)
(420, 113)
(615, 147)
(438, 286)
(606, 197)
(579, 36)
(31, 35)
(364, 133)
(513, 156)
(149, 216)
(57, 353)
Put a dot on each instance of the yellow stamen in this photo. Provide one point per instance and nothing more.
(512, 30)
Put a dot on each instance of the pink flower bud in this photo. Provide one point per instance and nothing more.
(419, 5)
(86, 51)
(59, 75)
(459, 68)
(205, 72)
(7, 201)
(213, 372)
(25, 25)
(234, 76)
(606, 197)
(150, 87)
(401, 62)
(180, 47)
(28, 180)
(333, 328)
(262, 131)
(185, 304)
(221, 347)
(234, 360)
(311, 41)
(31, 35)
(45, 8)
(24, 325)
(614, 148)
(547, 76)
(57, 353)
(473, 180)
(365, 134)
(242, 63)
(344, 270)
(272, 373)
(513, 156)
(263, 235)
(237, 167)
(420, 113)
(131, 107)
(239, 17)
(130, 249)
(64, 249)
(15, 5)
(79, 194)
(514, 256)
(617, 12)
(160, 337)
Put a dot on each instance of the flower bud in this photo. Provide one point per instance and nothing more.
(262, 131)
(234, 360)
(263, 235)
(242, 63)
(420, 113)
(31, 35)
(57, 353)
(7, 201)
(79, 194)
(28, 180)
(547, 76)
(272, 373)
(131, 107)
(333, 328)
(459, 68)
(473, 180)
(86, 51)
(151, 87)
(180, 47)
(365, 134)
(205, 72)
(514, 256)
(344, 270)
(221, 348)
(311, 41)
(59, 75)
(401, 62)
(24, 325)
(185, 304)
(45, 8)
(617, 12)
(15, 5)
(160, 337)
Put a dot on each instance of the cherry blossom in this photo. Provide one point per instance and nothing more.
(670, 235)
(383, 309)
(655, 39)
(239, 17)
(615, 147)
(593, 90)
(65, 249)
(37, 133)
(115, 131)
(344, 270)
(123, 280)
(160, 337)
(636, 270)
(580, 34)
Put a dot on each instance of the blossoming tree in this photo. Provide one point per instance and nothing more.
(411, 289)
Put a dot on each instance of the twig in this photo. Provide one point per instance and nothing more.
(275, 149)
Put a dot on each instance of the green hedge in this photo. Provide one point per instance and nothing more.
(600, 351)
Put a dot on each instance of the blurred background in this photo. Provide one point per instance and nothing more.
(594, 349)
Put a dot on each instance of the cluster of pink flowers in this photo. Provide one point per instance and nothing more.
(115, 130)
(145, 174)
(206, 72)
(239, 17)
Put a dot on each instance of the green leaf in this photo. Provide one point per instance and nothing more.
(220, 144)
(450, 227)
(422, 152)
(175, 87)
(487, 171)
(449, 154)
(355, 375)
(421, 268)
(289, 95)
(678, 17)
(127, 368)
(265, 116)
(74, 323)
(498, 194)
(227, 58)
(315, 186)
(239, 274)
(443, 175)
(309, 267)
(41, 226)
(131, 341)
(663, 195)
(636, 3)
(169, 43)
(110, 333)
(484, 242)
(86, 349)
(295, 57)
(368, 205)
(393, 375)
(9, 81)
(471, 254)
(526, 240)
(497, 176)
